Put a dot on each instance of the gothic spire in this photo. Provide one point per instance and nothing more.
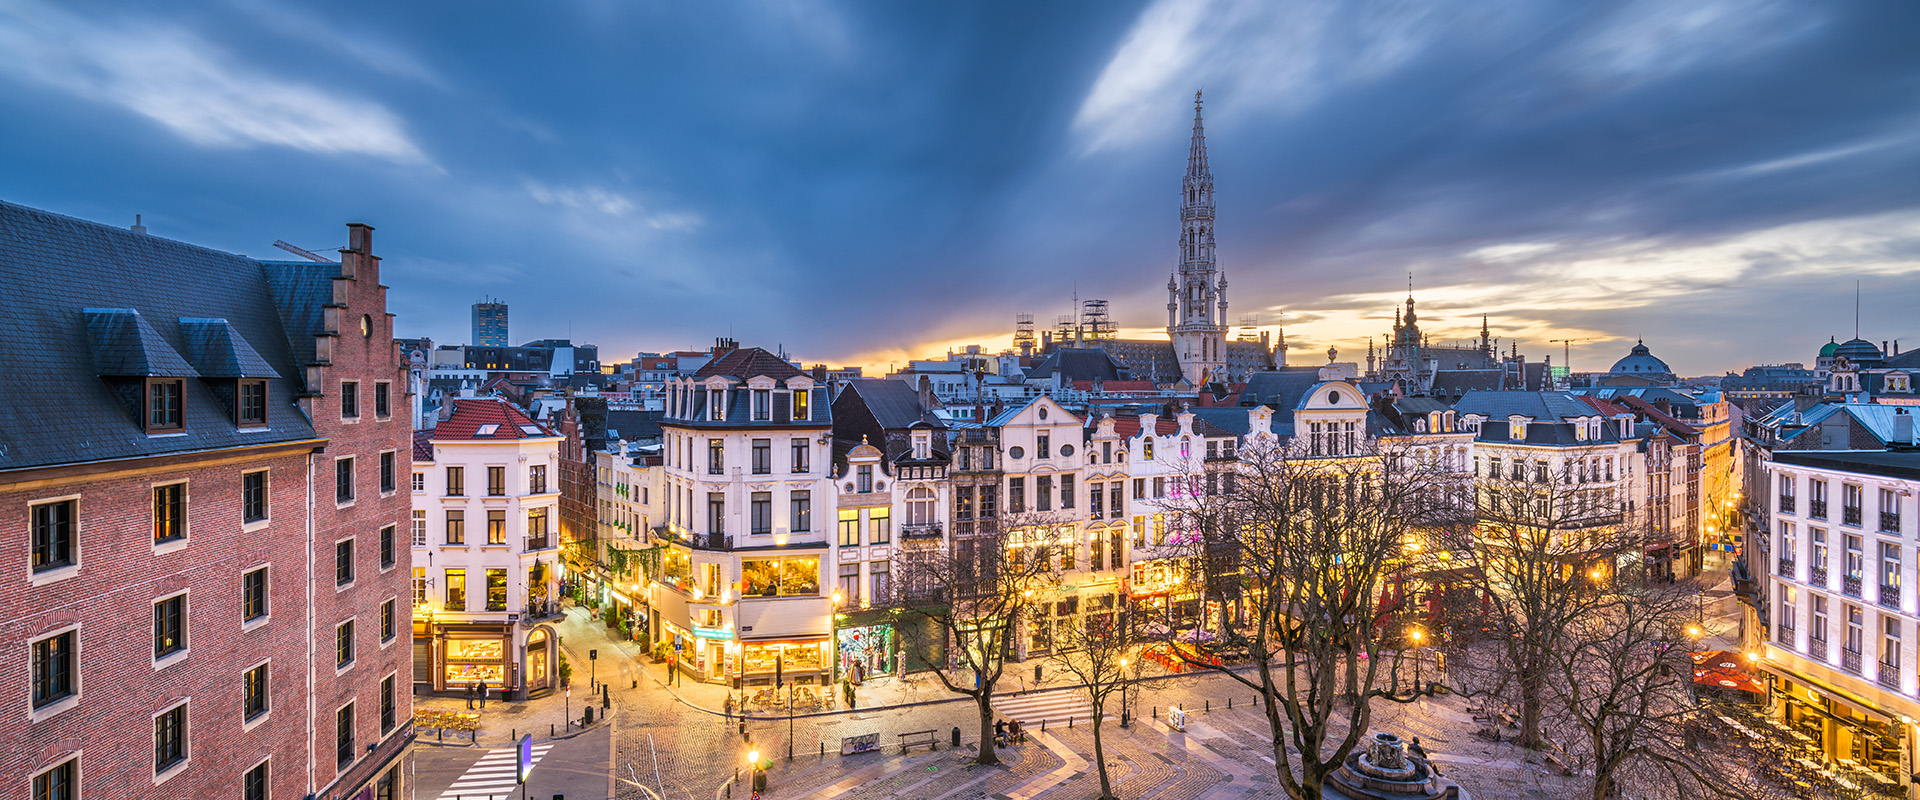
(1197, 152)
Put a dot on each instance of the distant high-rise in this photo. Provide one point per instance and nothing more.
(490, 323)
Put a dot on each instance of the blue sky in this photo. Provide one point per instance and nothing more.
(865, 182)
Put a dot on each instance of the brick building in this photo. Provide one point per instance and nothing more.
(199, 466)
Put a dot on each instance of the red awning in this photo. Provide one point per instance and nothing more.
(1722, 669)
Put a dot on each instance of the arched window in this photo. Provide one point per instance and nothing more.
(920, 506)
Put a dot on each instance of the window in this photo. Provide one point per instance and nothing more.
(1016, 495)
(53, 535)
(537, 527)
(169, 738)
(1146, 448)
(1117, 550)
(387, 621)
(716, 457)
(1890, 641)
(537, 479)
(920, 503)
(760, 513)
(169, 513)
(1044, 444)
(782, 577)
(1043, 493)
(989, 499)
(762, 405)
(496, 526)
(419, 586)
(253, 594)
(250, 406)
(254, 702)
(389, 480)
(456, 590)
(256, 782)
(802, 511)
(349, 399)
(343, 562)
(456, 527)
(343, 644)
(343, 480)
(163, 405)
(716, 513)
(877, 587)
(1817, 499)
(169, 626)
(762, 456)
(1819, 632)
(496, 481)
(386, 547)
(1890, 566)
(55, 668)
(496, 590)
(1066, 491)
(388, 704)
(986, 458)
(1856, 561)
(1159, 487)
(1097, 546)
(849, 527)
(879, 527)
(1818, 546)
(1850, 499)
(343, 735)
(865, 478)
(382, 399)
(456, 481)
(62, 782)
(801, 402)
(1116, 496)
(963, 501)
(800, 453)
(419, 481)
(850, 581)
(1889, 511)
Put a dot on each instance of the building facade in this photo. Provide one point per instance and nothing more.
(490, 324)
(205, 510)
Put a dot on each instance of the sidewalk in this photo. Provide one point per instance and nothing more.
(501, 722)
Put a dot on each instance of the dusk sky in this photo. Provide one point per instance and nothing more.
(867, 182)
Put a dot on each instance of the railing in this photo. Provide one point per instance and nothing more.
(540, 542)
(709, 541)
(1817, 576)
(1817, 509)
(540, 609)
(1889, 596)
(537, 487)
(1889, 675)
(1850, 585)
(1890, 521)
(1850, 661)
(1786, 637)
(1786, 567)
(1786, 504)
(1850, 515)
(926, 531)
(1817, 647)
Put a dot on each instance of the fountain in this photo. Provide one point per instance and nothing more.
(1382, 770)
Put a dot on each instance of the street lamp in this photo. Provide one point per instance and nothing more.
(1418, 636)
(1123, 691)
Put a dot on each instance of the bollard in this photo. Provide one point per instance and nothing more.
(549, 730)
(1156, 712)
(1043, 726)
(443, 735)
(1229, 704)
(823, 749)
(1209, 706)
(956, 736)
(514, 736)
(636, 683)
(1069, 722)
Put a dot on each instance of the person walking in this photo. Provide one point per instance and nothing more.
(481, 690)
(468, 691)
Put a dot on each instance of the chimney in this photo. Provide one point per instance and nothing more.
(360, 238)
(137, 227)
(1902, 428)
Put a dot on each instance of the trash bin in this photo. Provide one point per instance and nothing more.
(759, 780)
(956, 736)
(588, 719)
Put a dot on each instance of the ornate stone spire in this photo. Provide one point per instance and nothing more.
(1197, 295)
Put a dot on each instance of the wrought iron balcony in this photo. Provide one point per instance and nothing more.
(1850, 661)
(1850, 585)
(1786, 504)
(540, 542)
(707, 541)
(1786, 567)
(1890, 521)
(1890, 596)
(1817, 647)
(1817, 576)
(1786, 637)
(1889, 675)
(1817, 509)
(1850, 515)
(925, 531)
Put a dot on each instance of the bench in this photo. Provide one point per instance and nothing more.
(908, 740)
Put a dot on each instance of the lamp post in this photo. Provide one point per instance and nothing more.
(1125, 681)
(1418, 636)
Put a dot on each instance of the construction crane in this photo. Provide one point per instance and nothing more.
(301, 252)
(1566, 350)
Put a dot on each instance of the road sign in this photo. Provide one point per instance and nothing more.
(593, 655)
(526, 757)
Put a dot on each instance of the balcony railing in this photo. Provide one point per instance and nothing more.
(1890, 596)
(1890, 675)
(1850, 661)
(1817, 647)
(1786, 568)
(1850, 515)
(709, 541)
(540, 542)
(1786, 504)
(1817, 509)
(1786, 637)
(927, 531)
(1890, 521)
(1817, 576)
(1850, 585)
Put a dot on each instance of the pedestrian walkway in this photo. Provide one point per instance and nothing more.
(1055, 707)
(494, 776)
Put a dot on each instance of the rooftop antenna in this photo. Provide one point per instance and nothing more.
(1856, 309)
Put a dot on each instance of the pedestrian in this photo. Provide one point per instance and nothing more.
(468, 691)
(729, 708)
(481, 690)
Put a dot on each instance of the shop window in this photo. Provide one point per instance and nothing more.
(780, 577)
(496, 590)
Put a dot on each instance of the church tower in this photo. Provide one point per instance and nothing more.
(1197, 293)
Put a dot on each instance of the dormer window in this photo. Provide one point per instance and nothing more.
(922, 446)
(865, 473)
(800, 398)
(1517, 429)
(250, 404)
(716, 405)
(762, 405)
(164, 396)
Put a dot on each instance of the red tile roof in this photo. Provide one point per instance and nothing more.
(423, 445)
(472, 415)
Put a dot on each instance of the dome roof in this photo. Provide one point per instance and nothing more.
(1828, 348)
(1860, 351)
(1640, 362)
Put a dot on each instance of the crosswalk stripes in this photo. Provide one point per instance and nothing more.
(1048, 707)
(493, 776)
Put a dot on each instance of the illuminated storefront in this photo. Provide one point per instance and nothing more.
(867, 651)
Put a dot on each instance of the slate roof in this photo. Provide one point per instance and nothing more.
(1280, 389)
(1542, 406)
(1892, 464)
(894, 404)
(1458, 382)
(1128, 426)
(55, 406)
(218, 351)
(487, 419)
(1236, 420)
(634, 426)
(1081, 364)
(748, 362)
(423, 445)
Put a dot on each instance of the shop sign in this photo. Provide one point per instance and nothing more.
(712, 633)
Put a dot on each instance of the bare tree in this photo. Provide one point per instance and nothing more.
(969, 596)
(1101, 659)
(1312, 540)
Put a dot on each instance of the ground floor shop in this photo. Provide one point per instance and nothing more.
(1845, 734)
(519, 659)
(867, 651)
